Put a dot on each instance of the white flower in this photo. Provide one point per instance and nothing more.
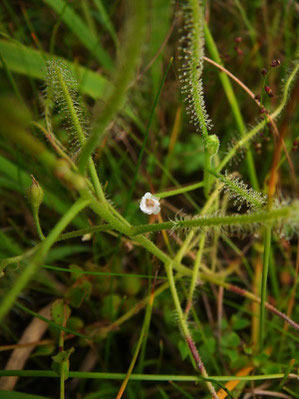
(150, 204)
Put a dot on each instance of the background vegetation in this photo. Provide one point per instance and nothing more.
(99, 300)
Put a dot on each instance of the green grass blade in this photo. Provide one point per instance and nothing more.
(27, 61)
(80, 29)
(106, 21)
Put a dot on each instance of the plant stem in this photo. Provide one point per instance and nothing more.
(37, 224)
(250, 196)
(266, 258)
(205, 221)
(142, 377)
(195, 274)
(62, 385)
(185, 330)
(177, 191)
(206, 174)
(80, 133)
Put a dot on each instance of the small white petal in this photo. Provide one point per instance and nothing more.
(150, 204)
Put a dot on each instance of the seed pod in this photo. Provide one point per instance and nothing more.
(35, 194)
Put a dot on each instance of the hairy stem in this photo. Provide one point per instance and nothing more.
(205, 221)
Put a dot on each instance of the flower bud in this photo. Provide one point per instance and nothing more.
(275, 63)
(212, 144)
(257, 97)
(35, 194)
(268, 91)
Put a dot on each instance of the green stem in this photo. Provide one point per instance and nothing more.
(206, 174)
(184, 247)
(195, 274)
(80, 133)
(38, 258)
(37, 224)
(233, 220)
(95, 180)
(266, 258)
(61, 346)
(62, 384)
(185, 330)
(191, 78)
(140, 377)
(181, 190)
(250, 196)
(82, 232)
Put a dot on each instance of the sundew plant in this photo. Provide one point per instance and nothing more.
(149, 199)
